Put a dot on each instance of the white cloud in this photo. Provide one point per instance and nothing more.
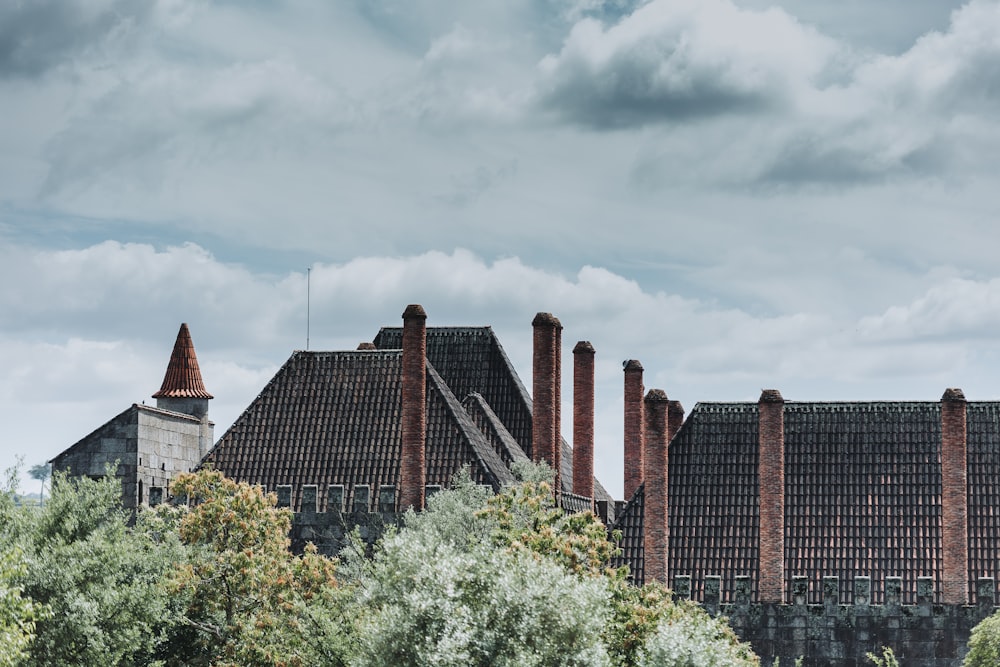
(127, 301)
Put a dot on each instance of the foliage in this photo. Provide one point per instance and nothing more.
(525, 520)
(438, 593)
(97, 576)
(688, 637)
(17, 612)
(41, 472)
(887, 659)
(984, 643)
(247, 598)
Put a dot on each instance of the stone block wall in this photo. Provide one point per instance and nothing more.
(167, 444)
(835, 634)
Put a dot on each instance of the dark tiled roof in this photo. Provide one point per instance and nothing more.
(629, 522)
(334, 418)
(713, 499)
(493, 429)
(984, 494)
(183, 377)
(471, 360)
(862, 494)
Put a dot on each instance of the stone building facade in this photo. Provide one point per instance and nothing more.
(147, 446)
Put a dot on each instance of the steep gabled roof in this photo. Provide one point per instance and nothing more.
(862, 494)
(183, 377)
(471, 360)
(334, 418)
(493, 429)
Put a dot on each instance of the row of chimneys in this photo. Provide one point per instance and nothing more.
(650, 422)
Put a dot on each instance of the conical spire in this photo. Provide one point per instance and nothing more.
(183, 378)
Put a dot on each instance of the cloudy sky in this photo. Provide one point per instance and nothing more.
(741, 194)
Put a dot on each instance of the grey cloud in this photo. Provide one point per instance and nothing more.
(669, 62)
(38, 35)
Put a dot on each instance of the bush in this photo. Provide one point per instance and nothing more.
(691, 638)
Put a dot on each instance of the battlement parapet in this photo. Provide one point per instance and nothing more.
(838, 633)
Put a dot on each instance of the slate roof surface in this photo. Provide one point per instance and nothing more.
(983, 426)
(862, 494)
(334, 418)
(183, 377)
(471, 360)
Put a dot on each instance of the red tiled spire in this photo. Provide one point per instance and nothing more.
(183, 378)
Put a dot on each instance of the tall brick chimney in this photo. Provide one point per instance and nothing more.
(543, 390)
(654, 521)
(557, 406)
(675, 418)
(583, 419)
(954, 499)
(771, 482)
(413, 466)
(633, 427)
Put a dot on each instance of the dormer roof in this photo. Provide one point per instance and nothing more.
(183, 377)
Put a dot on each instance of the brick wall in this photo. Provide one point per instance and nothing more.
(633, 427)
(771, 440)
(954, 499)
(655, 531)
(413, 463)
(583, 419)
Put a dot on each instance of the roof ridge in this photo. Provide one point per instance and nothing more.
(490, 461)
(183, 376)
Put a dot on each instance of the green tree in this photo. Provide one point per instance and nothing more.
(41, 472)
(688, 637)
(98, 577)
(246, 598)
(984, 643)
(441, 592)
(18, 613)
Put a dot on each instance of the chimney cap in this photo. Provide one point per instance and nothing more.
(582, 347)
(770, 396)
(675, 406)
(656, 396)
(953, 394)
(366, 346)
(545, 320)
(632, 365)
(413, 311)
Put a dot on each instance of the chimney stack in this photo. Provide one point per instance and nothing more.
(675, 419)
(583, 419)
(954, 499)
(771, 485)
(633, 427)
(544, 374)
(655, 517)
(412, 465)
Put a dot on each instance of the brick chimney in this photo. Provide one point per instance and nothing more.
(412, 465)
(557, 407)
(633, 427)
(954, 499)
(543, 390)
(675, 418)
(583, 419)
(654, 521)
(771, 482)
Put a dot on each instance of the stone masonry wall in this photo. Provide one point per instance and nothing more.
(833, 634)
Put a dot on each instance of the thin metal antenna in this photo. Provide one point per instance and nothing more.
(308, 299)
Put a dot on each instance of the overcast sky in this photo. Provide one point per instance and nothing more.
(798, 195)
